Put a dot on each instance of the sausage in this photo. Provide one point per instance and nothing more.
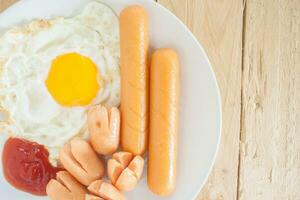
(105, 190)
(65, 188)
(81, 161)
(137, 166)
(57, 191)
(134, 45)
(127, 180)
(114, 170)
(163, 136)
(92, 197)
(125, 170)
(123, 157)
(104, 129)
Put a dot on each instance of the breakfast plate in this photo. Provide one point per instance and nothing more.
(200, 106)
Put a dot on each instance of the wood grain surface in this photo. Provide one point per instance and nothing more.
(254, 47)
(5, 3)
(270, 139)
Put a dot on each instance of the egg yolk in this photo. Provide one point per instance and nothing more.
(72, 80)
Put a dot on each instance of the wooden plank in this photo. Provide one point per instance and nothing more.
(218, 25)
(5, 3)
(270, 153)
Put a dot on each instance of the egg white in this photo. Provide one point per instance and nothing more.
(26, 54)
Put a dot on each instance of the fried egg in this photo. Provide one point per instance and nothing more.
(53, 70)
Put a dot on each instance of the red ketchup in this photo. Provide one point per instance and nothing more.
(26, 166)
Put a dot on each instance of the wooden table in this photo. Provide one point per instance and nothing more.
(254, 47)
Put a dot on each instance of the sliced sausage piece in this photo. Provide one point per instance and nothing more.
(104, 129)
(124, 158)
(114, 170)
(137, 166)
(105, 190)
(80, 160)
(65, 187)
(125, 170)
(92, 197)
(127, 180)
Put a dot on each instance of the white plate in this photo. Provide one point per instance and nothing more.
(200, 108)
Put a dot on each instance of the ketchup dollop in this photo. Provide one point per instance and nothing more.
(26, 166)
